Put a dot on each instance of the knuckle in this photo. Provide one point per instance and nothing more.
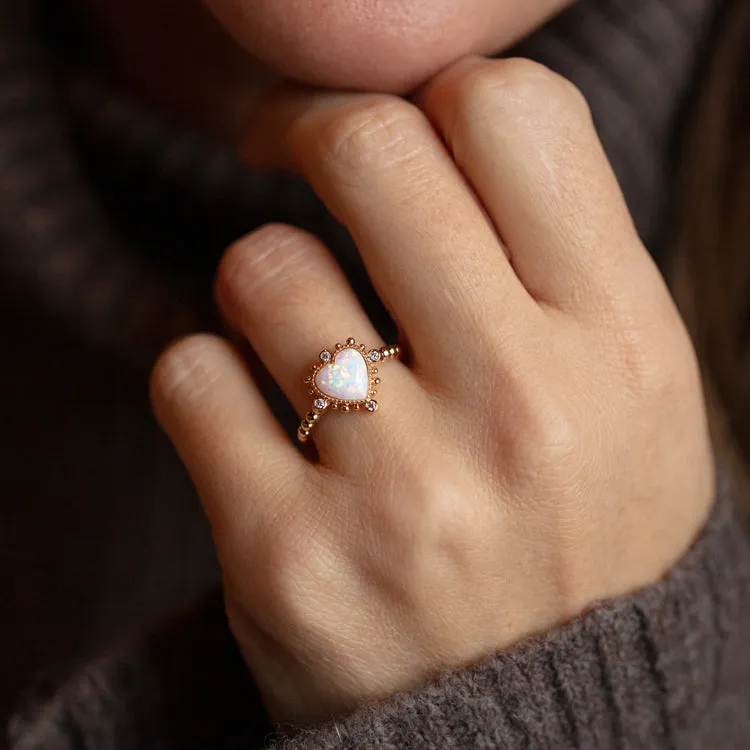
(554, 441)
(276, 236)
(261, 263)
(187, 371)
(531, 82)
(519, 87)
(377, 132)
(292, 563)
(259, 256)
(425, 517)
(544, 443)
(655, 363)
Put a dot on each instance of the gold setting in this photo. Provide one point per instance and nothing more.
(322, 402)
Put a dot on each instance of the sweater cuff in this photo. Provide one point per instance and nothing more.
(660, 668)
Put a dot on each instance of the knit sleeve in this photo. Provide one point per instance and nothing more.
(666, 668)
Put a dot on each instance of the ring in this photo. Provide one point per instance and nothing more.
(345, 379)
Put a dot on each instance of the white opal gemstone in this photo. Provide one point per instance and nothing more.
(346, 378)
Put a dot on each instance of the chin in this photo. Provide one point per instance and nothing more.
(376, 45)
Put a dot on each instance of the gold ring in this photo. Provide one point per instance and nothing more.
(344, 379)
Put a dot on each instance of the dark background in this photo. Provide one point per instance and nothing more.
(84, 552)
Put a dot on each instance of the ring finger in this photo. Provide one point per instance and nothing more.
(283, 290)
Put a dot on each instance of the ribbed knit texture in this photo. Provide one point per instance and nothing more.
(668, 668)
(56, 248)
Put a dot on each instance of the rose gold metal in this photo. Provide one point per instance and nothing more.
(313, 416)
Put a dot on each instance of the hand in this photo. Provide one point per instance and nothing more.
(545, 448)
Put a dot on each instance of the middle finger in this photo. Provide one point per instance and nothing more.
(433, 255)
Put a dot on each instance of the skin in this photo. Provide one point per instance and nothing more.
(546, 446)
(376, 45)
(370, 45)
(545, 449)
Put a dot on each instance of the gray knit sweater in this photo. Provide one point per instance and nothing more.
(111, 219)
(666, 668)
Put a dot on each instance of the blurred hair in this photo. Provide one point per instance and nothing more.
(711, 238)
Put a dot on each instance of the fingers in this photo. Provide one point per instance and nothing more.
(433, 256)
(233, 447)
(525, 139)
(283, 290)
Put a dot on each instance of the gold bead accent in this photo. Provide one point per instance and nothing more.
(350, 342)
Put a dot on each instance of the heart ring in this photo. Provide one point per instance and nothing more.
(345, 379)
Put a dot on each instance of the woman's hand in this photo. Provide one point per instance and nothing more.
(545, 448)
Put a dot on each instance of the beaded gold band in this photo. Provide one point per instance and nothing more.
(344, 379)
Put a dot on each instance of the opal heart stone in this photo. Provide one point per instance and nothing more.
(346, 378)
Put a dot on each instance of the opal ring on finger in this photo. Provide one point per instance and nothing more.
(344, 379)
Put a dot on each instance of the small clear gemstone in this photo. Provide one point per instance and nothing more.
(371, 405)
(320, 404)
(374, 356)
(326, 356)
